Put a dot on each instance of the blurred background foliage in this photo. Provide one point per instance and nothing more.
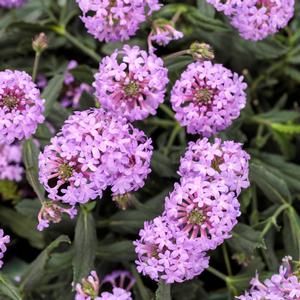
(43, 265)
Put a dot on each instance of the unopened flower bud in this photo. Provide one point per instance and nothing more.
(123, 201)
(201, 51)
(40, 43)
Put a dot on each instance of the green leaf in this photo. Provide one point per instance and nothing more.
(245, 239)
(7, 288)
(163, 165)
(274, 187)
(286, 128)
(30, 158)
(23, 225)
(163, 292)
(52, 92)
(84, 246)
(116, 252)
(37, 268)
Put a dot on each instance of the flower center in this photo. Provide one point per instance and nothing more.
(196, 217)
(65, 171)
(203, 96)
(154, 252)
(10, 101)
(131, 89)
(215, 163)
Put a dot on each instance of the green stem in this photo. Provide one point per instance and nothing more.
(226, 258)
(36, 65)
(160, 122)
(172, 138)
(167, 110)
(176, 54)
(217, 274)
(176, 16)
(63, 32)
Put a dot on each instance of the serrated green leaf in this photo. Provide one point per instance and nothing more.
(274, 187)
(30, 158)
(85, 242)
(286, 128)
(7, 288)
(36, 269)
(116, 252)
(52, 91)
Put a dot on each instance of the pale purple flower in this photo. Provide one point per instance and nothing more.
(10, 162)
(228, 7)
(162, 33)
(21, 106)
(4, 239)
(225, 161)
(207, 98)
(282, 286)
(11, 3)
(166, 253)
(94, 150)
(88, 289)
(133, 86)
(116, 294)
(257, 19)
(204, 210)
(116, 20)
(52, 212)
(120, 279)
(41, 81)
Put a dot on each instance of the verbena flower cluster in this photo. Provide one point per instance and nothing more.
(282, 286)
(207, 98)
(90, 287)
(115, 20)
(131, 83)
(256, 19)
(21, 106)
(4, 239)
(10, 162)
(11, 3)
(165, 252)
(94, 150)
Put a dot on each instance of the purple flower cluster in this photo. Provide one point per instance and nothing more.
(21, 107)
(94, 150)
(222, 161)
(4, 239)
(72, 90)
(205, 210)
(10, 162)
(165, 252)
(133, 86)
(199, 215)
(116, 20)
(207, 98)
(162, 33)
(11, 3)
(282, 286)
(256, 19)
(90, 287)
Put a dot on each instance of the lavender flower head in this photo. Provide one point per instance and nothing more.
(256, 19)
(119, 279)
(228, 7)
(207, 98)
(163, 32)
(10, 162)
(166, 253)
(116, 294)
(52, 212)
(21, 107)
(94, 150)
(225, 161)
(134, 86)
(115, 20)
(204, 210)
(11, 3)
(88, 289)
(4, 239)
(282, 286)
